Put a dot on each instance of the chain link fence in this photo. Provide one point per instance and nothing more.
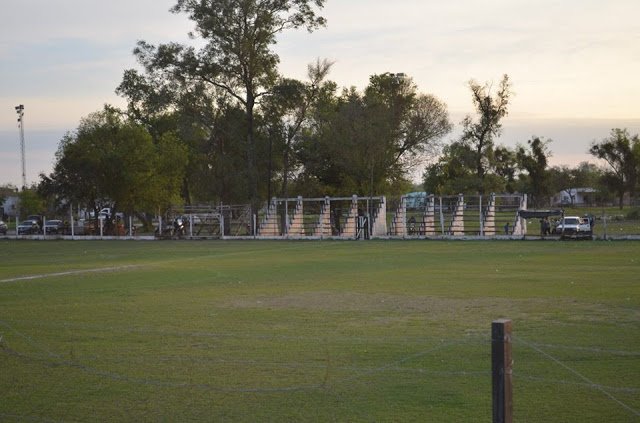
(354, 217)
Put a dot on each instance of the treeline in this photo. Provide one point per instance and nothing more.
(525, 169)
(474, 164)
(218, 123)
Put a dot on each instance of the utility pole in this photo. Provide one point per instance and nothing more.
(20, 112)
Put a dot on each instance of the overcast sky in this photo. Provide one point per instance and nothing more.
(574, 64)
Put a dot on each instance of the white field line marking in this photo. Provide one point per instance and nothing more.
(116, 268)
(70, 272)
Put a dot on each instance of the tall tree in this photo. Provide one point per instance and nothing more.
(480, 133)
(287, 109)
(415, 122)
(534, 160)
(367, 143)
(206, 121)
(621, 152)
(237, 57)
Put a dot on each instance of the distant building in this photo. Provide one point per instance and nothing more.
(10, 206)
(575, 196)
(416, 200)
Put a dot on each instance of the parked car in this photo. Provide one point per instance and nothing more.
(54, 226)
(3, 228)
(28, 227)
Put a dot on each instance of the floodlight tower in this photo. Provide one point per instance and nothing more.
(20, 112)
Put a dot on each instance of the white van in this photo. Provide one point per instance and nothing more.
(107, 212)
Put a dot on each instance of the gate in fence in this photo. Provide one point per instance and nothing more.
(206, 221)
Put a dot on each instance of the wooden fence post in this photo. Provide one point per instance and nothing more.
(501, 363)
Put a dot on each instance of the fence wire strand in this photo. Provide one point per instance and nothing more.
(325, 381)
(580, 375)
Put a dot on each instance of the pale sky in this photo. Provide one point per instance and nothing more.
(574, 64)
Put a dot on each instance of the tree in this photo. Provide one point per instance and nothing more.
(168, 170)
(505, 164)
(534, 161)
(562, 179)
(567, 179)
(334, 147)
(206, 122)
(53, 198)
(31, 203)
(286, 110)
(111, 162)
(586, 175)
(453, 173)
(415, 122)
(237, 58)
(622, 153)
(368, 142)
(479, 134)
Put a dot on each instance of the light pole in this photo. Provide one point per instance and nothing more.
(20, 112)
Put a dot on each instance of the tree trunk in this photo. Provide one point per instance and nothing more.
(285, 170)
(252, 179)
(270, 170)
(479, 167)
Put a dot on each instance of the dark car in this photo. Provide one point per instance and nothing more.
(54, 226)
(28, 227)
(3, 228)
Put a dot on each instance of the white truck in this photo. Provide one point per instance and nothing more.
(573, 227)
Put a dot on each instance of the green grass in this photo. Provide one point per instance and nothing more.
(316, 331)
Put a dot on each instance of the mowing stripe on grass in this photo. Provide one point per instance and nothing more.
(70, 272)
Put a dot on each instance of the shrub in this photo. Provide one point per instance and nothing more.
(634, 214)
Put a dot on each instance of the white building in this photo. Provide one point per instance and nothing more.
(575, 196)
(10, 206)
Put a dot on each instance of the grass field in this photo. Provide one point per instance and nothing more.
(316, 331)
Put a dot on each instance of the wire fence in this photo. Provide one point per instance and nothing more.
(424, 216)
(343, 367)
